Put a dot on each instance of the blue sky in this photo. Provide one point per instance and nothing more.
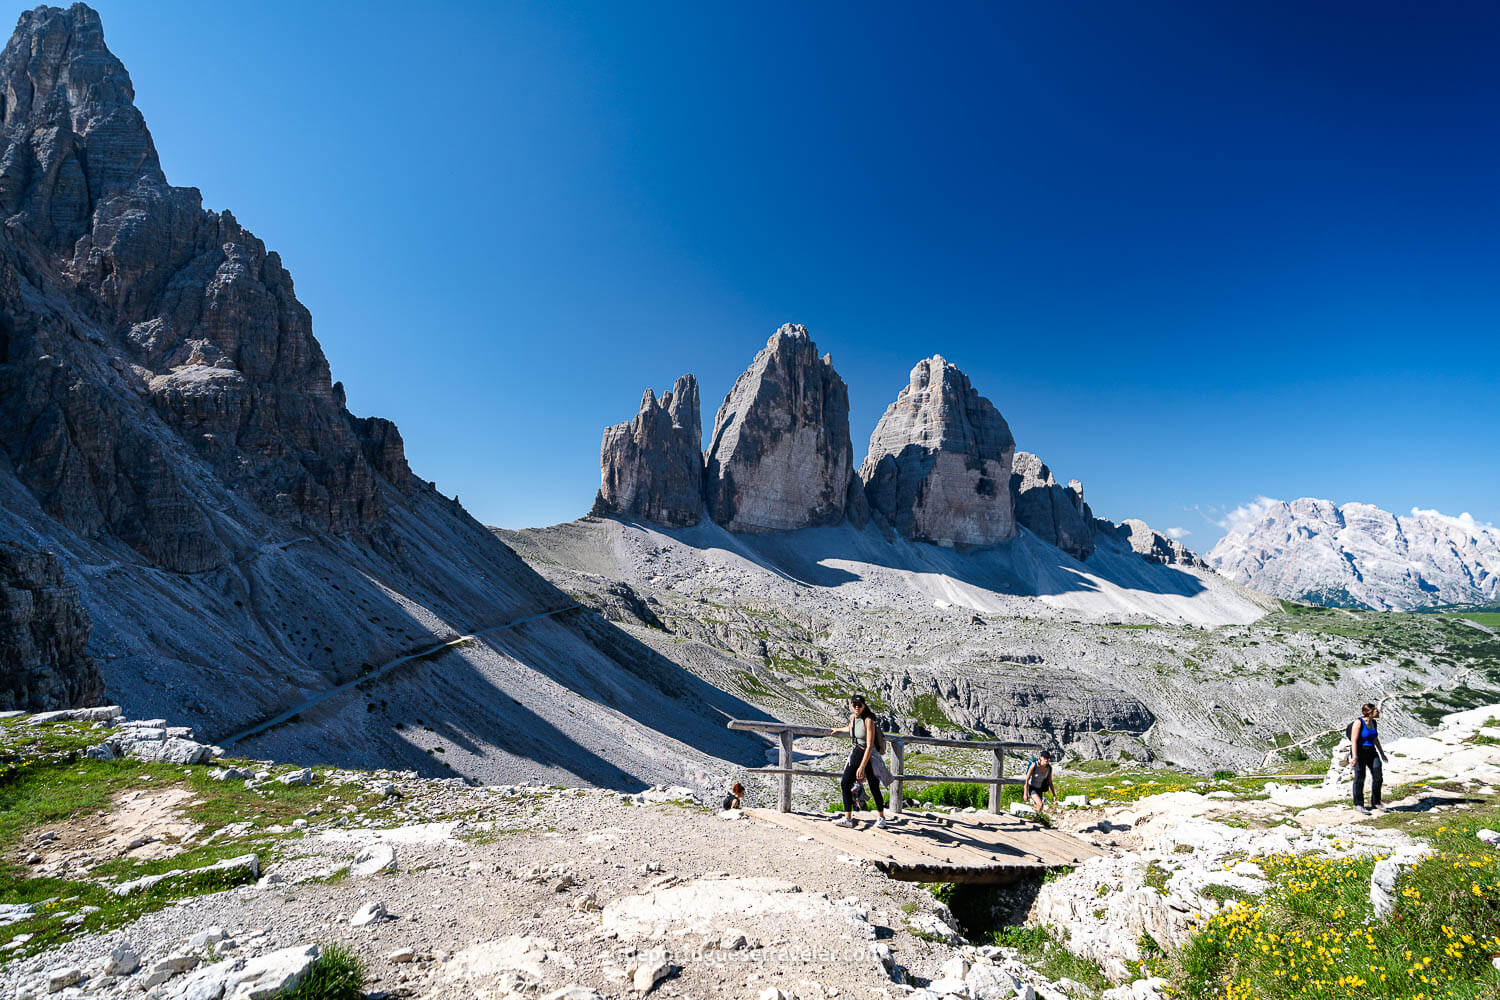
(1196, 253)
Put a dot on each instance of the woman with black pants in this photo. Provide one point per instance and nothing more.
(1366, 753)
(868, 742)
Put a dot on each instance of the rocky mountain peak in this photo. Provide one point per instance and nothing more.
(780, 458)
(64, 93)
(651, 466)
(140, 325)
(939, 464)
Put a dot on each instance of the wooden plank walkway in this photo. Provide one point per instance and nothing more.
(942, 847)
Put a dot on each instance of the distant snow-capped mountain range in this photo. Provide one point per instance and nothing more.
(1357, 555)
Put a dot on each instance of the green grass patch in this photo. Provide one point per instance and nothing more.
(1044, 953)
(1489, 619)
(749, 684)
(338, 974)
(45, 783)
(959, 795)
(1226, 893)
(928, 710)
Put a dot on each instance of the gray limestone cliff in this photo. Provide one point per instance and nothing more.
(1051, 511)
(652, 466)
(780, 458)
(939, 464)
(191, 316)
(44, 633)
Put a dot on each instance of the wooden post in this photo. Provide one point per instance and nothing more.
(898, 750)
(784, 794)
(997, 773)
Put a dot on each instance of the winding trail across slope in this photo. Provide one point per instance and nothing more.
(380, 671)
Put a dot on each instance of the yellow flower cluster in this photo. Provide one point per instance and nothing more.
(1312, 935)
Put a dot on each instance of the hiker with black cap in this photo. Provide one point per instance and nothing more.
(865, 762)
(1039, 779)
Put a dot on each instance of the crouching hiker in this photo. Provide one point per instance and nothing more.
(865, 762)
(733, 797)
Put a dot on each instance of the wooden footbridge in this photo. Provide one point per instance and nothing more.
(991, 847)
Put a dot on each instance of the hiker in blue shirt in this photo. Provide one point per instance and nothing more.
(1366, 753)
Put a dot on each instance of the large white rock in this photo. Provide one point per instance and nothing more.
(368, 914)
(373, 859)
(122, 960)
(650, 968)
(702, 905)
(535, 958)
(271, 975)
(990, 982)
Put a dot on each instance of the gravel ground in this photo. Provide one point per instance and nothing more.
(574, 870)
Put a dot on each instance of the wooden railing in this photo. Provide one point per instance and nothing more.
(785, 733)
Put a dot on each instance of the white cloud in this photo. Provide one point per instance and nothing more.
(1244, 517)
(1464, 520)
(1177, 534)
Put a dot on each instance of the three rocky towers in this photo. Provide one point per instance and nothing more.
(942, 465)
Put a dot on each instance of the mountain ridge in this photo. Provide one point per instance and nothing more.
(1360, 556)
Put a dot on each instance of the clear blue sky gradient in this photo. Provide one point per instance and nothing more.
(1194, 252)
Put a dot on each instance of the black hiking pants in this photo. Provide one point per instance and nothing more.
(1366, 759)
(846, 783)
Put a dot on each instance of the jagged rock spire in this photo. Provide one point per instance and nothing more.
(652, 466)
(1052, 512)
(195, 331)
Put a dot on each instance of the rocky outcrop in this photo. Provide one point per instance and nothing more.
(1057, 706)
(1150, 545)
(195, 323)
(939, 465)
(43, 634)
(780, 458)
(652, 466)
(1359, 556)
(1049, 510)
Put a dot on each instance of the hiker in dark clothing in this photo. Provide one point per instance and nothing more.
(733, 797)
(1038, 780)
(1367, 754)
(865, 763)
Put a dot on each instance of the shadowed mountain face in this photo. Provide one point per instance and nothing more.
(170, 432)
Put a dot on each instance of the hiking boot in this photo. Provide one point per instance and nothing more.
(845, 822)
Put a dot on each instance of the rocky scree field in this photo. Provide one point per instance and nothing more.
(792, 623)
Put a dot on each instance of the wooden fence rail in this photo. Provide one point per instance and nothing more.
(787, 769)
